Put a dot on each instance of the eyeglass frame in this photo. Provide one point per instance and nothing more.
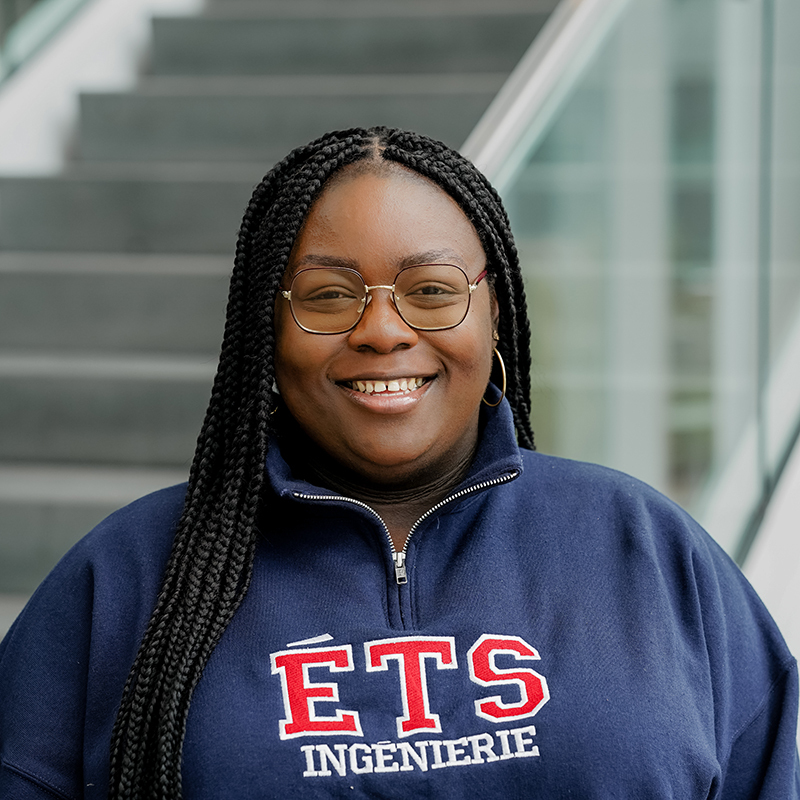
(287, 295)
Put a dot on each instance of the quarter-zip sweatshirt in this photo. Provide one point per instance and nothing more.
(551, 630)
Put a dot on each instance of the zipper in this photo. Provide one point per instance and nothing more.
(399, 558)
(399, 563)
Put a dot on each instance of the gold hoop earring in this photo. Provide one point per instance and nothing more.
(503, 370)
(276, 397)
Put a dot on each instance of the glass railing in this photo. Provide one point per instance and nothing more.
(11, 11)
(27, 25)
(649, 155)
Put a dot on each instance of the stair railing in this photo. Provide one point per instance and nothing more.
(27, 25)
(685, 183)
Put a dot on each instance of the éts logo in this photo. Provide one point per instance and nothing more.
(414, 657)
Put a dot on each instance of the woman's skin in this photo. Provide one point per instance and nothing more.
(399, 452)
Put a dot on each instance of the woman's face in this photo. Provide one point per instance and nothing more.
(378, 224)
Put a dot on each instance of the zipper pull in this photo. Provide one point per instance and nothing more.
(400, 567)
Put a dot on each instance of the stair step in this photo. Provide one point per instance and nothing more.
(169, 208)
(113, 410)
(99, 303)
(244, 44)
(10, 607)
(113, 274)
(372, 8)
(259, 119)
(44, 510)
(76, 485)
(105, 213)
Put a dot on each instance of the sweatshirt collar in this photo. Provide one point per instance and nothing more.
(497, 455)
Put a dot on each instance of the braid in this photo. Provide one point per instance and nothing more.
(210, 566)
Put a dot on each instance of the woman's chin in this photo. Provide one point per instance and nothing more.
(389, 467)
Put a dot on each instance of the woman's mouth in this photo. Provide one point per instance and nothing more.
(395, 385)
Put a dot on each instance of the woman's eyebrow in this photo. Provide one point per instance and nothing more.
(324, 261)
(430, 257)
(315, 260)
(426, 257)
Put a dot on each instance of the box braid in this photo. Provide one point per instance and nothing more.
(210, 566)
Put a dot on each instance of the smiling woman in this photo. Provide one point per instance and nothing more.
(371, 578)
(384, 226)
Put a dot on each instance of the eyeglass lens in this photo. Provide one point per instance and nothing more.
(427, 297)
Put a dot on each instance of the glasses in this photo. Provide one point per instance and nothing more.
(428, 297)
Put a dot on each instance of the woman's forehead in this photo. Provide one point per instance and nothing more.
(402, 215)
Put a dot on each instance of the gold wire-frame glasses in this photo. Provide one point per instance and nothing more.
(428, 297)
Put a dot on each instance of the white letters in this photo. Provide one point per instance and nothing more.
(521, 741)
(366, 763)
(482, 746)
(417, 751)
(405, 756)
(326, 756)
(383, 757)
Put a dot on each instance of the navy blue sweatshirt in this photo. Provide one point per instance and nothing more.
(554, 630)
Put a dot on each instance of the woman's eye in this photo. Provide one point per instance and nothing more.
(332, 293)
(431, 289)
(432, 295)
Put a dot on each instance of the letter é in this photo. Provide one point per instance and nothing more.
(300, 694)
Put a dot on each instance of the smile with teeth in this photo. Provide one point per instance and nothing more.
(404, 385)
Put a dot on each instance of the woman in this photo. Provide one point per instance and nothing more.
(403, 603)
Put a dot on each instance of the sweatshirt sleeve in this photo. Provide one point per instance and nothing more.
(43, 678)
(755, 681)
(64, 663)
(748, 683)
(763, 761)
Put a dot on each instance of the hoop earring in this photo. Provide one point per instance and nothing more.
(503, 370)
(276, 396)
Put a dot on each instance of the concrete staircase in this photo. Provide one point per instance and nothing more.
(113, 274)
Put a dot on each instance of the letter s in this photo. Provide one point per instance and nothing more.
(482, 670)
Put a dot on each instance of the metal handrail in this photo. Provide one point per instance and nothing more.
(529, 100)
(10, 12)
(29, 31)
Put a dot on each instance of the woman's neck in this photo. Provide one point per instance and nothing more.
(399, 505)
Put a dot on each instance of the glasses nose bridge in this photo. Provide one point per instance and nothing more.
(392, 297)
(368, 294)
(368, 289)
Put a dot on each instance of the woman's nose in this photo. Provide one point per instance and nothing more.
(381, 328)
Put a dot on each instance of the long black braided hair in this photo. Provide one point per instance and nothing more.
(210, 565)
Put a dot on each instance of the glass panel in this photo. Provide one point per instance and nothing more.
(637, 219)
(783, 401)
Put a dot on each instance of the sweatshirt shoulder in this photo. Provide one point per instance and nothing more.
(619, 522)
(130, 546)
(609, 510)
(582, 482)
(117, 566)
(146, 523)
